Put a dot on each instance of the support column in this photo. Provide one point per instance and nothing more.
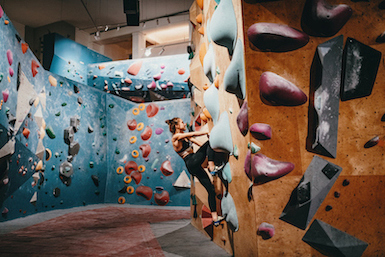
(138, 45)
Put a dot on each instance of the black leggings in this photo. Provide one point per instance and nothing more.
(194, 165)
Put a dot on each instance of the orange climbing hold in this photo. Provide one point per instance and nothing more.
(199, 18)
(34, 66)
(216, 82)
(101, 66)
(24, 47)
(206, 113)
(121, 200)
(203, 117)
(181, 71)
(202, 52)
(146, 134)
(201, 30)
(200, 4)
(134, 68)
(26, 132)
(130, 189)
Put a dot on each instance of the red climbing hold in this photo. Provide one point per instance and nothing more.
(162, 198)
(131, 124)
(146, 150)
(166, 168)
(134, 68)
(34, 66)
(137, 177)
(24, 47)
(146, 134)
(130, 167)
(144, 191)
(152, 109)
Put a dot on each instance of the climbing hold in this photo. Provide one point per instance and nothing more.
(201, 30)
(119, 170)
(144, 191)
(140, 126)
(234, 80)
(69, 134)
(130, 167)
(123, 190)
(66, 169)
(57, 114)
(220, 136)
(152, 109)
(254, 148)
(52, 81)
(276, 37)
(39, 165)
(346, 182)
(166, 168)
(50, 132)
(128, 81)
(5, 95)
(91, 164)
(202, 52)
(132, 139)
(372, 142)
(141, 168)
(209, 63)
(134, 68)
(162, 198)
(199, 18)
(11, 72)
(243, 119)
(95, 179)
(229, 211)
(211, 101)
(280, 91)
(34, 66)
(121, 200)
(80, 100)
(328, 208)
(157, 76)
(26, 132)
(1, 15)
(56, 192)
(146, 150)
(135, 153)
(320, 18)
(48, 154)
(127, 179)
(158, 131)
(200, 4)
(146, 134)
(152, 85)
(181, 71)
(263, 169)
(101, 66)
(9, 57)
(24, 47)
(130, 190)
(266, 230)
(337, 194)
(136, 176)
(131, 124)
(90, 129)
(260, 131)
(383, 118)
(223, 25)
(135, 111)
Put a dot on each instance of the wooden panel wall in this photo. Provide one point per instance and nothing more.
(360, 210)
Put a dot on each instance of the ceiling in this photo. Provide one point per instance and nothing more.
(37, 13)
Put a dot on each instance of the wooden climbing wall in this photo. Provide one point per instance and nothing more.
(360, 209)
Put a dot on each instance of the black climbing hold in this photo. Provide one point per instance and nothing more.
(346, 182)
(95, 179)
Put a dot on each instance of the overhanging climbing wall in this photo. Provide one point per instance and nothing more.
(298, 66)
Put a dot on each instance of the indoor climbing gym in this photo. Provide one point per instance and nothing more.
(173, 128)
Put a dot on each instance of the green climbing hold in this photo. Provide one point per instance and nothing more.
(102, 126)
(218, 71)
(50, 132)
(117, 151)
(236, 152)
(1, 77)
(254, 148)
(91, 165)
(114, 139)
(6, 109)
(63, 104)
(104, 133)
(111, 106)
(57, 114)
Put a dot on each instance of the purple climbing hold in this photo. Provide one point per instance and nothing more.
(9, 57)
(260, 131)
(274, 37)
(372, 142)
(321, 19)
(247, 164)
(264, 169)
(280, 91)
(5, 95)
(243, 119)
(158, 131)
(11, 72)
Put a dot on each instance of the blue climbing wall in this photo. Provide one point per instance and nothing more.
(67, 58)
(124, 141)
(61, 141)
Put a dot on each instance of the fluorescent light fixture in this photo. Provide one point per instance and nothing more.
(106, 28)
(161, 51)
(147, 52)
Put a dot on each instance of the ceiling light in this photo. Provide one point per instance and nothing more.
(106, 28)
(161, 51)
(147, 52)
(97, 35)
(118, 28)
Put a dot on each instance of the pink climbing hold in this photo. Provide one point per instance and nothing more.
(136, 176)
(144, 191)
(247, 164)
(146, 150)
(163, 86)
(266, 230)
(34, 66)
(152, 109)
(131, 124)
(11, 72)
(280, 91)
(5, 95)
(130, 167)
(146, 134)
(166, 168)
(152, 85)
(158, 131)
(128, 81)
(243, 119)
(264, 169)
(260, 131)
(162, 66)
(162, 198)
(9, 57)
(5, 210)
(135, 68)
(170, 84)
(1, 11)
(181, 71)
(157, 76)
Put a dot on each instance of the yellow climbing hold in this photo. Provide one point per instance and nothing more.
(140, 126)
(120, 170)
(132, 139)
(135, 153)
(121, 200)
(135, 111)
(141, 168)
(127, 179)
(130, 189)
(141, 107)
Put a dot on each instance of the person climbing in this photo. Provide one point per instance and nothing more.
(182, 143)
